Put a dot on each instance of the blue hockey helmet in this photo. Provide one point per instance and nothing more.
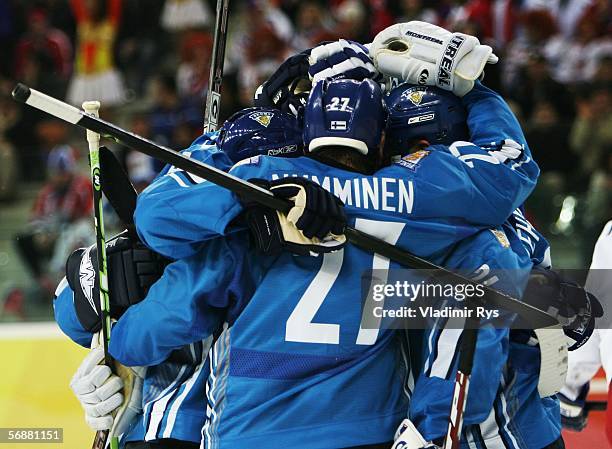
(423, 112)
(345, 113)
(260, 131)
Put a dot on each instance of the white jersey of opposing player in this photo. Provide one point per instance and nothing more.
(584, 362)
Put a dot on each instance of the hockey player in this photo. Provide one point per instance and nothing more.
(288, 325)
(584, 363)
(173, 389)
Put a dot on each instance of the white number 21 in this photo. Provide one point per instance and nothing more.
(300, 328)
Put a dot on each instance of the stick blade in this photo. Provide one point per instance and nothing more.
(117, 187)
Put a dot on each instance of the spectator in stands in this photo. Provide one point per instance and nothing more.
(567, 13)
(194, 69)
(312, 26)
(265, 48)
(141, 43)
(351, 21)
(547, 134)
(591, 135)
(170, 111)
(95, 75)
(416, 10)
(535, 78)
(538, 27)
(48, 49)
(60, 222)
(8, 158)
(183, 15)
(603, 72)
(575, 59)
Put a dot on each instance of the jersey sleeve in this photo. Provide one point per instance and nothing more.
(482, 191)
(494, 172)
(170, 212)
(66, 317)
(187, 304)
(490, 119)
(178, 212)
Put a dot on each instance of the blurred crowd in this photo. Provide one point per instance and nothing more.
(147, 61)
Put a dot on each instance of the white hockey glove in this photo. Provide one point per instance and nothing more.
(97, 389)
(340, 59)
(422, 53)
(408, 437)
(110, 401)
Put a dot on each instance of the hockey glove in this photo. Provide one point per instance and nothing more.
(281, 90)
(315, 224)
(132, 269)
(97, 389)
(340, 59)
(110, 401)
(574, 414)
(568, 302)
(422, 53)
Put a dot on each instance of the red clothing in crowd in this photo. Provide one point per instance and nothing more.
(54, 44)
(74, 203)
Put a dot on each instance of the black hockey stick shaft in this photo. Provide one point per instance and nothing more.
(535, 317)
(596, 406)
(213, 97)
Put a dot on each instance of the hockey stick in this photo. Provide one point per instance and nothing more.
(93, 140)
(64, 111)
(596, 406)
(213, 97)
(117, 187)
(462, 383)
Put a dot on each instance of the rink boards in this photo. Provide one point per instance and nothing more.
(37, 362)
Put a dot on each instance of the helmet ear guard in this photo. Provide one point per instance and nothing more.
(345, 114)
(423, 112)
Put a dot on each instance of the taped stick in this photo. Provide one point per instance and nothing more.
(93, 140)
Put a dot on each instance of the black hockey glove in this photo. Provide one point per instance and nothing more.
(568, 302)
(132, 269)
(282, 90)
(314, 225)
(574, 414)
